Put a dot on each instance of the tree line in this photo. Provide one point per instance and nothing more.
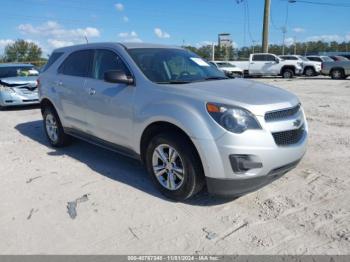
(29, 52)
(22, 51)
(303, 48)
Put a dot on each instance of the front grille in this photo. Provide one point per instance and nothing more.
(290, 137)
(281, 114)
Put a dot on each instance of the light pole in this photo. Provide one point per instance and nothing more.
(284, 31)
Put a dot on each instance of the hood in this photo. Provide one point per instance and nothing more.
(312, 63)
(231, 69)
(20, 80)
(254, 96)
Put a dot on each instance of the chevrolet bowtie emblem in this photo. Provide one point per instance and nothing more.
(297, 123)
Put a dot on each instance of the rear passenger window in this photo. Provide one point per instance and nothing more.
(77, 64)
(53, 58)
(258, 57)
(105, 61)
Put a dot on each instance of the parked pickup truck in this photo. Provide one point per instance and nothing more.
(265, 64)
(336, 69)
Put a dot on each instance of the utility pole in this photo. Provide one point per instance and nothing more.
(265, 36)
(213, 52)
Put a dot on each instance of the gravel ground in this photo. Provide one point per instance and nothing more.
(86, 200)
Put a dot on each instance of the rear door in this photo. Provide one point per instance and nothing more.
(109, 105)
(69, 85)
(257, 65)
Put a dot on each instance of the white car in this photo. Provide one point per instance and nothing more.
(229, 69)
(310, 68)
(264, 64)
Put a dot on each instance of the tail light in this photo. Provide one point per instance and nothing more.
(38, 83)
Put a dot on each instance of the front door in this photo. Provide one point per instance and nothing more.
(109, 105)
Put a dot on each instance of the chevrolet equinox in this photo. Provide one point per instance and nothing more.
(188, 123)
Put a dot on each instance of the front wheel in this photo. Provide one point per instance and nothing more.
(288, 73)
(53, 128)
(174, 166)
(310, 72)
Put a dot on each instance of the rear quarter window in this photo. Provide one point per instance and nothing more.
(53, 58)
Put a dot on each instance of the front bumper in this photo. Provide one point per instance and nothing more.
(236, 188)
(16, 99)
(299, 71)
(269, 161)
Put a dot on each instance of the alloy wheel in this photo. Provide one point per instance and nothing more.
(168, 167)
(51, 127)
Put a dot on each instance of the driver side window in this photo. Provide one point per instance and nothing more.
(106, 60)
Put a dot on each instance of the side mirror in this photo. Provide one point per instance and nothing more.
(277, 61)
(117, 76)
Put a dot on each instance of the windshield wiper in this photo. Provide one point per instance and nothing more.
(173, 82)
(216, 78)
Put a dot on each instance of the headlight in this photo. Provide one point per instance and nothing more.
(6, 89)
(300, 64)
(233, 119)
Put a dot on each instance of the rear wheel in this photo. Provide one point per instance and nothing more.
(288, 73)
(53, 128)
(310, 71)
(337, 74)
(174, 166)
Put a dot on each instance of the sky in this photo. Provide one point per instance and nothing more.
(57, 23)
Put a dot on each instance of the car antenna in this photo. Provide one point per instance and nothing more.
(86, 39)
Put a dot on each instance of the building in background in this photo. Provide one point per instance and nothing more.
(224, 40)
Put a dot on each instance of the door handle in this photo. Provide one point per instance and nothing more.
(92, 91)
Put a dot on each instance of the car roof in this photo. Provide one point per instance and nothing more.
(15, 64)
(126, 45)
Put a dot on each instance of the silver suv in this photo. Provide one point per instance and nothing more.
(184, 119)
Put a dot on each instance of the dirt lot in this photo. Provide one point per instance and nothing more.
(119, 212)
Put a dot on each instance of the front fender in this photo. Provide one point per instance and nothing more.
(191, 118)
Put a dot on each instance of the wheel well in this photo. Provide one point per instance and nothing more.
(287, 67)
(307, 67)
(46, 103)
(162, 127)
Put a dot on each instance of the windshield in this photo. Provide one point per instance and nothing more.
(304, 58)
(225, 65)
(175, 66)
(327, 59)
(14, 71)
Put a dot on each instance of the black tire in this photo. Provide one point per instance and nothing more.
(288, 73)
(337, 74)
(2, 108)
(193, 176)
(309, 71)
(62, 138)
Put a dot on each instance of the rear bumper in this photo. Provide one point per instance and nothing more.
(236, 188)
